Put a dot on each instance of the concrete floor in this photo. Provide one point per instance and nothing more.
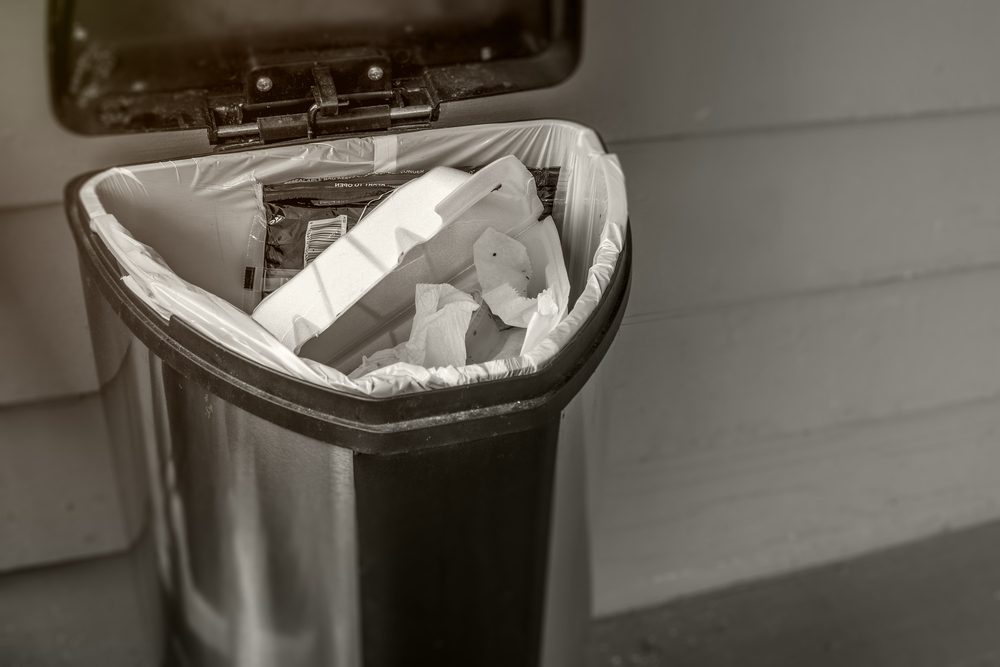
(88, 613)
(934, 603)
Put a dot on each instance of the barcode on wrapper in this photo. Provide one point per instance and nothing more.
(321, 233)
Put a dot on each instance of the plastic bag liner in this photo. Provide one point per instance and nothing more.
(198, 213)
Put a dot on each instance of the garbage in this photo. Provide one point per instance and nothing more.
(422, 233)
(410, 217)
(549, 282)
(313, 299)
(445, 331)
(178, 232)
(441, 318)
(302, 217)
(484, 339)
(504, 271)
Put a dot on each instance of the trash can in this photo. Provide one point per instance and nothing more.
(298, 524)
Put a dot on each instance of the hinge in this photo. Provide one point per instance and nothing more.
(329, 94)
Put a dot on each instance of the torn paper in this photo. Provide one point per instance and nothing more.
(545, 251)
(504, 272)
(525, 288)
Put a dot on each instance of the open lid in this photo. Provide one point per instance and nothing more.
(264, 71)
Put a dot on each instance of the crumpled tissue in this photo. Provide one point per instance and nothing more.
(452, 328)
(437, 337)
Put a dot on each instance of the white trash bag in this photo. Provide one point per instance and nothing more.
(197, 214)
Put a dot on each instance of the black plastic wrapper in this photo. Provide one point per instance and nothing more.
(305, 216)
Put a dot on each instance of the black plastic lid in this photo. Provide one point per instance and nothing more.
(150, 65)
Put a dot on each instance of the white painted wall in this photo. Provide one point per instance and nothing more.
(808, 368)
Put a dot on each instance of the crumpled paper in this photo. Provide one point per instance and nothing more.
(439, 325)
(437, 337)
(452, 328)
